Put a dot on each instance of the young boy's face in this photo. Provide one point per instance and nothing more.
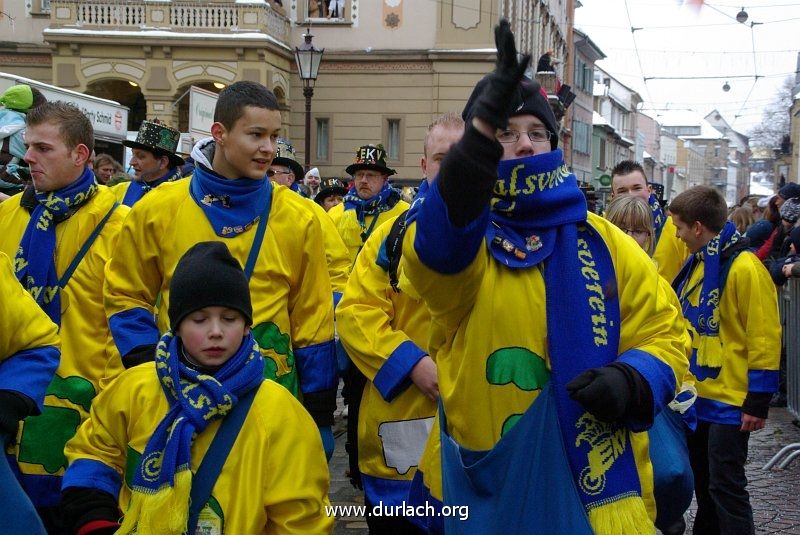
(247, 149)
(212, 335)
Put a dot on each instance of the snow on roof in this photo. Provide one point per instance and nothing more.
(599, 120)
(680, 118)
(166, 34)
(598, 90)
(707, 132)
(646, 154)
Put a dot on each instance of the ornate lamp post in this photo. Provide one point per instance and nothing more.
(308, 59)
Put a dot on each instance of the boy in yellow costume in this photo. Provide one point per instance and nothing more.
(61, 233)
(553, 343)
(270, 230)
(730, 301)
(384, 327)
(208, 372)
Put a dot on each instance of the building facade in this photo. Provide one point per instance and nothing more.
(389, 67)
(586, 53)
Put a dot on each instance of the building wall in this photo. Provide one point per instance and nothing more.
(22, 49)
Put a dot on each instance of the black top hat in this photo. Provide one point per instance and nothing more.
(158, 138)
(284, 155)
(328, 187)
(370, 157)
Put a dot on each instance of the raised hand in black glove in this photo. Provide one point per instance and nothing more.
(613, 392)
(13, 408)
(493, 104)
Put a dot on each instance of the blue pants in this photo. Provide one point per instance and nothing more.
(17, 514)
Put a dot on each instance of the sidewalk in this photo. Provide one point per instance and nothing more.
(775, 495)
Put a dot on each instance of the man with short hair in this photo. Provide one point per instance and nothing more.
(154, 161)
(370, 202)
(384, 327)
(61, 233)
(628, 178)
(271, 232)
(730, 303)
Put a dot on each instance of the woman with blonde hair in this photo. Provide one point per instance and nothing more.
(742, 217)
(634, 217)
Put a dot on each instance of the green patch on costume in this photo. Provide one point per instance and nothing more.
(276, 348)
(131, 464)
(44, 436)
(519, 366)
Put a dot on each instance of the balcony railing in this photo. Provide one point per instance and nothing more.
(184, 16)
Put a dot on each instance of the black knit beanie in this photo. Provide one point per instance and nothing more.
(528, 99)
(207, 275)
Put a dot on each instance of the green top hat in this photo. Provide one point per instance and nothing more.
(158, 138)
(284, 155)
(370, 157)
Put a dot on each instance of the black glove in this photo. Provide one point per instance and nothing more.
(139, 355)
(613, 392)
(13, 408)
(492, 105)
(82, 505)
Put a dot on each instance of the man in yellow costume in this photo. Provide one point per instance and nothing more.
(384, 327)
(61, 233)
(269, 230)
(554, 348)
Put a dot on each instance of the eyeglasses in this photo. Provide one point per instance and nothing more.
(271, 173)
(636, 233)
(512, 136)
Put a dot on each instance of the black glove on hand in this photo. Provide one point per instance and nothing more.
(13, 408)
(613, 392)
(139, 355)
(492, 106)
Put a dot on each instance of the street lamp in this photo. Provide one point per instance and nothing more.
(741, 16)
(308, 59)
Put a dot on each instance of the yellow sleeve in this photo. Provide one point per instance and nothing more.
(132, 281)
(365, 316)
(670, 253)
(753, 296)
(297, 478)
(336, 254)
(448, 296)
(120, 190)
(24, 326)
(653, 329)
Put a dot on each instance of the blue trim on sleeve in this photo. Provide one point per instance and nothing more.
(392, 377)
(94, 475)
(440, 245)
(764, 381)
(316, 366)
(133, 328)
(30, 372)
(659, 377)
(337, 296)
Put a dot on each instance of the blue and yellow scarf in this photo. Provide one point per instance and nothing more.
(163, 479)
(659, 218)
(538, 208)
(35, 259)
(705, 319)
(231, 206)
(384, 201)
(138, 188)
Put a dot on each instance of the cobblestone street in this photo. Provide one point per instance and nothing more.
(775, 494)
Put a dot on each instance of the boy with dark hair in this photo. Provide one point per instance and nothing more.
(61, 232)
(271, 232)
(273, 478)
(731, 305)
